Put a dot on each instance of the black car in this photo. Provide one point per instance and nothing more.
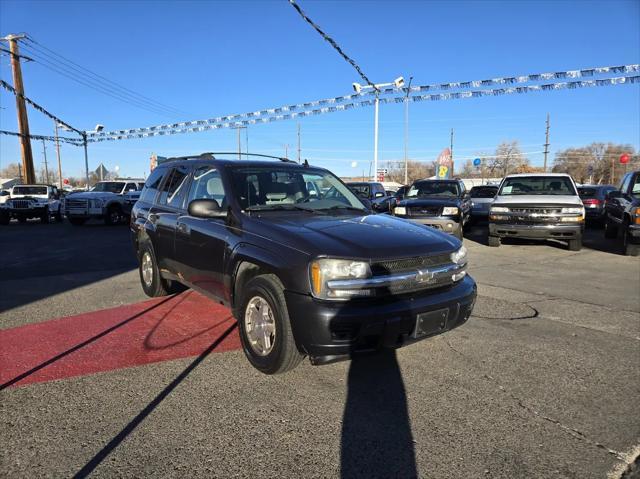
(441, 204)
(622, 210)
(374, 195)
(593, 198)
(315, 275)
(481, 199)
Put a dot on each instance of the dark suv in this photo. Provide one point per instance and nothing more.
(304, 274)
(441, 204)
(622, 211)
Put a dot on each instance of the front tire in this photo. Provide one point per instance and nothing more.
(265, 328)
(575, 244)
(44, 219)
(5, 218)
(152, 283)
(113, 216)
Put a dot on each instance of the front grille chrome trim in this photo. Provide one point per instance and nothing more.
(429, 277)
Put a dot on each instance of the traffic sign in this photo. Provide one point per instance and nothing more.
(624, 158)
(477, 162)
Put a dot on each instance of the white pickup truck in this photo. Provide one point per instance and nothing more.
(537, 206)
(31, 201)
(110, 201)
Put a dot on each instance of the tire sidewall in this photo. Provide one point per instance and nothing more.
(153, 289)
(261, 287)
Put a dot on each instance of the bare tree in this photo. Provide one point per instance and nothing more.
(508, 159)
(598, 163)
(12, 170)
(416, 170)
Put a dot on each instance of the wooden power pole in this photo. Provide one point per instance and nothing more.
(23, 121)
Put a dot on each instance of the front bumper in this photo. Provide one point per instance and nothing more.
(445, 224)
(546, 231)
(331, 331)
(26, 212)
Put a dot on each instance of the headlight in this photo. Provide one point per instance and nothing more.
(449, 210)
(574, 210)
(322, 271)
(499, 209)
(400, 210)
(459, 257)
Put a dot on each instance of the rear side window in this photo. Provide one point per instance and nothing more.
(152, 185)
(173, 189)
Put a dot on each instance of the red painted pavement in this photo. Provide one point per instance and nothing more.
(148, 332)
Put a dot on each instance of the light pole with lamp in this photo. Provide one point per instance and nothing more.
(397, 83)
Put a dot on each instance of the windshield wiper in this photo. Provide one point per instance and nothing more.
(277, 207)
(343, 207)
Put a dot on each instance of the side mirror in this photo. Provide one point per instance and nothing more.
(379, 194)
(206, 209)
(614, 194)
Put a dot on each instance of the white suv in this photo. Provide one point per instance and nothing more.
(32, 201)
(108, 200)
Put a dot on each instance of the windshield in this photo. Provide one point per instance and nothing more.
(483, 191)
(635, 190)
(272, 188)
(360, 188)
(537, 185)
(433, 188)
(29, 190)
(109, 186)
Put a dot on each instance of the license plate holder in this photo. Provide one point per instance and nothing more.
(430, 323)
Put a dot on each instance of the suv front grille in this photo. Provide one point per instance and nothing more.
(424, 210)
(541, 210)
(381, 268)
(72, 204)
(20, 204)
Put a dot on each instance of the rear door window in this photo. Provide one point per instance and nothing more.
(152, 185)
(173, 190)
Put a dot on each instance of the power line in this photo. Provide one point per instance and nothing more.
(104, 89)
(62, 59)
(334, 44)
(71, 141)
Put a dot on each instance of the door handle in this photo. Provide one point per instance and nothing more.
(184, 228)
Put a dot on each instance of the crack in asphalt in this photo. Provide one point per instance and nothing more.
(535, 314)
(568, 429)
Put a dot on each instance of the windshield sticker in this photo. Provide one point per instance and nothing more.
(507, 189)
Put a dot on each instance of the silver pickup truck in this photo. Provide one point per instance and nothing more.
(537, 206)
(110, 201)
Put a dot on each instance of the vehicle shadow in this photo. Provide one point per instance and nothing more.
(376, 436)
(42, 260)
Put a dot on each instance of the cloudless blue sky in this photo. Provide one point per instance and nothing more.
(215, 58)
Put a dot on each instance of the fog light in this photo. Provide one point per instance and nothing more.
(458, 276)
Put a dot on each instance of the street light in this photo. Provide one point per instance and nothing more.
(397, 83)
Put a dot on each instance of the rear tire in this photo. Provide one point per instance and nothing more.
(493, 241)
(265, 327)
(575, 244)
(610, 229)
(152, 283)
(77, 221)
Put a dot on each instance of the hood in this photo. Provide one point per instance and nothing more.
(92, 195)
(430, 201)
(360, 237)
(535, 200)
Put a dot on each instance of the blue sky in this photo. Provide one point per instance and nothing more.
(216, 58)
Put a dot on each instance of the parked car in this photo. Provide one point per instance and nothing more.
(442, 204)
(32, 201)
(537, 206)
(593, 198)
(622, 210)
(110, 201)
(304, 275)
(375, 194)
(481, 199)
(400, 192)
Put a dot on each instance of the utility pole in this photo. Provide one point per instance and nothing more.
(23, 120)
(375, 138)
(406, 133)
(46, 167)
(58, 155)
(546, 145)
(451, 150)
(86, 158)
(298, 142)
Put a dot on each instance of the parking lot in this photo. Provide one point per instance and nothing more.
(543, 381)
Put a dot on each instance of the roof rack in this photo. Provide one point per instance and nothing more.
(211, 155)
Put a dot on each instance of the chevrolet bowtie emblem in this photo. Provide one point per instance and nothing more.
(424, 276)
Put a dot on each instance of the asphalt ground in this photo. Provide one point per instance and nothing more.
(543, 381)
